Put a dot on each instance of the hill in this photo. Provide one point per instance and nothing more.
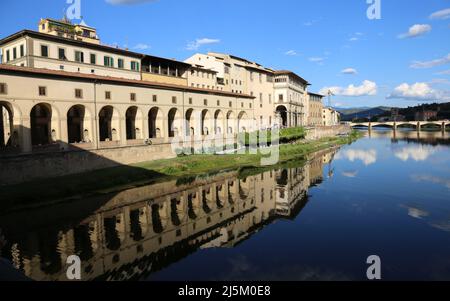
(350, 114)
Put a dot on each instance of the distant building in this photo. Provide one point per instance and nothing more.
(315, 109)
(425, 115)
(330, 117)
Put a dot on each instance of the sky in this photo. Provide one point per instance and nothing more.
(400, 59)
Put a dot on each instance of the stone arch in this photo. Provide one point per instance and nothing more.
(191, 124)
(282, 116)
(205, 122)
(243, 123)
(230, 122)
(78, 124)
(109, 124)
(114, 229)
(155, 123)
(174, 122)
(133, 122)
(6, 124)
(44, 121)
(219, 122)
(193, 204)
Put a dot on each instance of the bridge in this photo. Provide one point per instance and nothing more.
(395, 124)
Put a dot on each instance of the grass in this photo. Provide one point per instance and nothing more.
(184, 169)
(286, 136)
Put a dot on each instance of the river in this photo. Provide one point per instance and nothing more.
(387, 194)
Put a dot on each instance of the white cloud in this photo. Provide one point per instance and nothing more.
(432, 179)
(350, 174)
(349, 71)
(432, 63)
(442, 81)
(291, 53)
(354, 39)
(128, 2)
(195, 45)
(419, 92)
(367, 88)
(141, 46)
(445, 72)
(368, 157)
(416, 153)
(441, 15)
(416, 31)
(317, 59)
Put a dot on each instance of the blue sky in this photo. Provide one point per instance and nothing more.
(402, 59)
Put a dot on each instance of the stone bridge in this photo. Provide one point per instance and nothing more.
(395, 124)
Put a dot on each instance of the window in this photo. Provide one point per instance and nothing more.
(218, 103)
(135, 66)
(227, 70)
(61, 67)
(155, 98)
(190, 100)
(205, 102)
(79, 57)
(260, 97)
(42, 91)
(44, 51)
(230, 104)
(270, 98)
(7, 56)
(174, 99)
(78, 93)
(14, 53)
(3, 88)
(109, 62)
(108, 95)
(93, 59)
(62, 54)
(133, 96)
(280, 97)
(251, 76)
(120, 63)
(250, 105)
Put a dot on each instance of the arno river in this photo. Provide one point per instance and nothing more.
(386, 194)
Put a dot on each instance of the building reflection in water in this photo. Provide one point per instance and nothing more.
(140, 231)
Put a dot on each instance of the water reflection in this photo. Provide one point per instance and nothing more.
(143, 230)
(386, 194)
(368, 157)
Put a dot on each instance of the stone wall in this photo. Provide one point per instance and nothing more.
(23, 168)
(327, 131)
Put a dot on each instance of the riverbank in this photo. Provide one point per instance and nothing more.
(181, 168)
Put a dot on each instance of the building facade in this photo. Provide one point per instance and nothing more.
(60, 88)
(330, 117)
(280, 96)
(315, 109)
